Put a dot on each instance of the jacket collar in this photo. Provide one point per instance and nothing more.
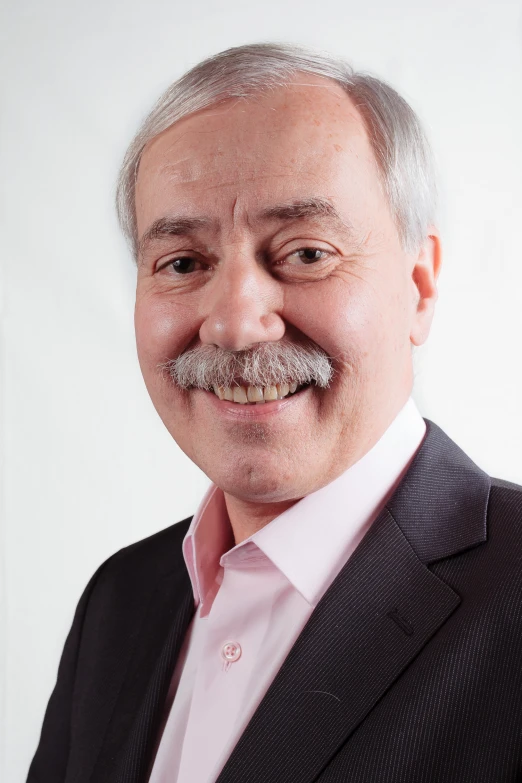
(441, 503)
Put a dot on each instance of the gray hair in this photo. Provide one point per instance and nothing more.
(266, 364)
(398, 141)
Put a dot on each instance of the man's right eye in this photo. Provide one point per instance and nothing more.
(182, 265)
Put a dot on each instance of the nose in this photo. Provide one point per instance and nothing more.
(241, 305)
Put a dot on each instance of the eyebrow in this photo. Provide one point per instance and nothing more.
(305, 209)
(301, 209)
(171, 227)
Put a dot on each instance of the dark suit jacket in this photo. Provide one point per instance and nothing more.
(409, 669)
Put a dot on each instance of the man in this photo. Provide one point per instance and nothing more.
(345, 603)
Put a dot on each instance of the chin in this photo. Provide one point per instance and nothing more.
(252, 482)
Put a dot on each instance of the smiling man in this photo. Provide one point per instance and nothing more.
(345, 603)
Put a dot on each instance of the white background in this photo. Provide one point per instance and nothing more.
(86, 465)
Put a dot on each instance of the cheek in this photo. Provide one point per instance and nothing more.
(343, 319)
(162, 330)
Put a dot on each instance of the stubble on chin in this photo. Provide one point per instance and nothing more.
(252, 433)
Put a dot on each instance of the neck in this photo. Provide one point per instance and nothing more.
(248, 517)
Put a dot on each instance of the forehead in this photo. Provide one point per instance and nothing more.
(271, 147)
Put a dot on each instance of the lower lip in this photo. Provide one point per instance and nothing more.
(253, 412)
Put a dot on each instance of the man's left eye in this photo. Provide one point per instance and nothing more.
(309, 255)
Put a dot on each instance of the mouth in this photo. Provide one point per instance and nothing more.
(258, 395)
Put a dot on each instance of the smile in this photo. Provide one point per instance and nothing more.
(256, 395)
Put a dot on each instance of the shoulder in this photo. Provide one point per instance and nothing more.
(158, 547)
(150, 558)
(123, 586)
(504, 522)
(507, 487)
(505, 499)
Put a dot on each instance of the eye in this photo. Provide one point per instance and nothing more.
(182, 265)
(309, 255)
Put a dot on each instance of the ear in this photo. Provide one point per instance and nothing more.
(424, 286)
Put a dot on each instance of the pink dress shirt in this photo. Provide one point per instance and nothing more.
(254, 599)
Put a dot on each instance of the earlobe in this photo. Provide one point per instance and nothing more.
(424, 277)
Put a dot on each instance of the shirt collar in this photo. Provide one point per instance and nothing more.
(309, 542)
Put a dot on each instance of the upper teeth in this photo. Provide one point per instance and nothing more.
(245, 394)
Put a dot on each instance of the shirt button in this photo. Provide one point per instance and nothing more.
(231, 651)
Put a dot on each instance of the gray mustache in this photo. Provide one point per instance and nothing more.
(266, 364)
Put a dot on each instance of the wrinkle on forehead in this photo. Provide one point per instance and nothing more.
(222, 167)
(313, 140)
(195, 177)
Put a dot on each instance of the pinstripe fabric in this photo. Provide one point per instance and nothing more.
(136, 756)
(408, 671)
(456, 714)
(441, 504)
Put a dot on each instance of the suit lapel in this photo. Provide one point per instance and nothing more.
(377, 615)
(131, 730)
(441, 504)
(136, 756)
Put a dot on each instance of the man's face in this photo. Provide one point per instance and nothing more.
(230, 265)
